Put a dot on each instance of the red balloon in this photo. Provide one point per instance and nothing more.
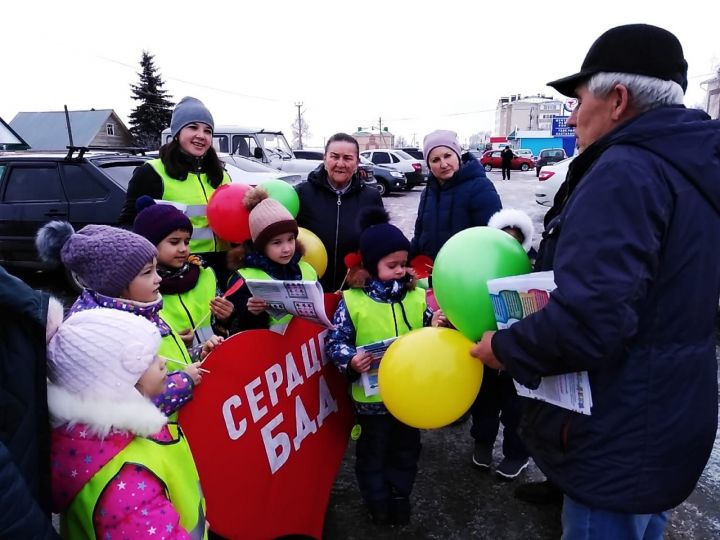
(227, 215)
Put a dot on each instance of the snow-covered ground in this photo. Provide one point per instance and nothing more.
(699, 516)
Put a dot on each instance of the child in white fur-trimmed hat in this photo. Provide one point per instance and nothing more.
(517, 224)
(118, 468)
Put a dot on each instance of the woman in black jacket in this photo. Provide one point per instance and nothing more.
(187, 174)
(330, 202)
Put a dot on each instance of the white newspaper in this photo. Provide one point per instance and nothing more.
(369, 379)
(516, 297)
(302, 299)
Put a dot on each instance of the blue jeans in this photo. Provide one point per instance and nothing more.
(582, 522)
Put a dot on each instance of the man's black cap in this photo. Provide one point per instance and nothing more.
(639, 49)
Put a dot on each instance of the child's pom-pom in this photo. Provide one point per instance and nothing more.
(51, 238)
(254, 197)
(352, 260)
(373, 216)
(142, 202)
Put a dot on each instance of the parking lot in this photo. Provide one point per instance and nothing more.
(452, 499)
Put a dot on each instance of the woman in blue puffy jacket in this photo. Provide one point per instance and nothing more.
(458, 195)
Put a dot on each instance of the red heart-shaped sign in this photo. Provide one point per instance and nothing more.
(268, 428)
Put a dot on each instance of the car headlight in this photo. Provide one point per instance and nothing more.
(396, 174)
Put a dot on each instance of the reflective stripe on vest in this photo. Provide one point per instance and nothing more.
(171, 462)
(188, 309)
(307, 272)
(191, 197)
(375, 321)
(173, 347)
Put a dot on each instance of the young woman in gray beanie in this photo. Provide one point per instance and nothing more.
(187, 173)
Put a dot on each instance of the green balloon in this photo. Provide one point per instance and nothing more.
(462, 269)
(284, 193)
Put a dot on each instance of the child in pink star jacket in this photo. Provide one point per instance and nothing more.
(119, 469)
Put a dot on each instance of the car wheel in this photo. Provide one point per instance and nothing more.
(73, 281)
(524, 167)
(382, 187)
(488, 167)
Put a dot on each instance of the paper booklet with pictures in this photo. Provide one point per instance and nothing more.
(369, 379)
(516, 297)
(302, 299)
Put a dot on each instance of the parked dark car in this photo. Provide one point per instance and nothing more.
(547, 157)
(309, 154)
(388, 180)
(492, 159)
(394, 158)
(414, 152)
(39, 187)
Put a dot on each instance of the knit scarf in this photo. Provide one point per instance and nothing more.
(282, 272)
(178, 281)
(150, 310)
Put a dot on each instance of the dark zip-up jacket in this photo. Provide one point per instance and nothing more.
(634, 241)
(24, 420)
(333, 217)
(468, 199)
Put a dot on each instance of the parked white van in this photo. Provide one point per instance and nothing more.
(269, 147)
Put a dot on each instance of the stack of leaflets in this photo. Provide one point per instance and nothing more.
(516, 297)
(370, 377)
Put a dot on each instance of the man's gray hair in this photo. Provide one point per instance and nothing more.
(645, 92)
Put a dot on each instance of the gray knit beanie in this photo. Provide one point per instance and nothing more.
(187, 111)
(105, 259)
(441, 137)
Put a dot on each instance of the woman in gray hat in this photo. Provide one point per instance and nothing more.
(186, 174)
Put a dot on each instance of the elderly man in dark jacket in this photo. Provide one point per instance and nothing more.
(26, 315)
(633, 243)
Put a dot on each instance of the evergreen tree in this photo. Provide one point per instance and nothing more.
(153, 113)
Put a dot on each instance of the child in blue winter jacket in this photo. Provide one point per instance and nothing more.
(382, 303)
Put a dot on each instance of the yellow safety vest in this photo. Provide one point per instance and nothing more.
(171, 462)
(307, 272)
(192, 308)
(191, 196)
(375, 321)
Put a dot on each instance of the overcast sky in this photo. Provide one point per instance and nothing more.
(418, 65)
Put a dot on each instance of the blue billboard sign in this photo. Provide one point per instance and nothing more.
(560, 127)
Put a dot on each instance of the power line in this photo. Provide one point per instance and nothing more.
(199, 85)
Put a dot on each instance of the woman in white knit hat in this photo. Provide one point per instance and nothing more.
(118, 468)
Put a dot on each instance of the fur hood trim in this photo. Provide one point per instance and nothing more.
(136, 414)
(512, 217)
(55, 316)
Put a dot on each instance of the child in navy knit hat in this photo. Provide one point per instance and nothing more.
(118, 270)
(189, 289)
(382, 303)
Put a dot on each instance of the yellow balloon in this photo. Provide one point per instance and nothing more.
(315, 253)
(428, 379)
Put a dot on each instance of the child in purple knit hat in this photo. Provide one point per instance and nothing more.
(118, 270)
(192, 305)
